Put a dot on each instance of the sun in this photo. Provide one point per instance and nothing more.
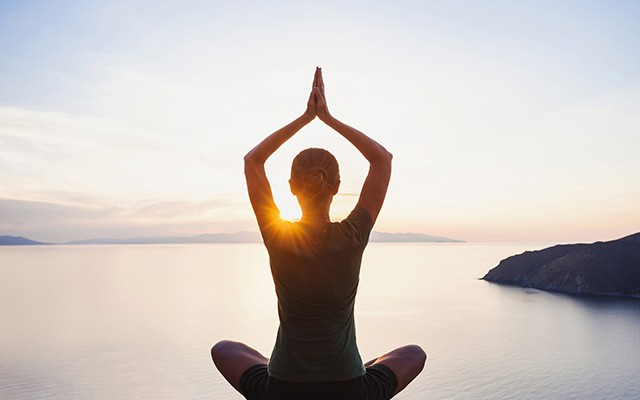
(289, 209)
(286, 202)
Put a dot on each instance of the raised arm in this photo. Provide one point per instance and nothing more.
(375, 185)
(258, 185)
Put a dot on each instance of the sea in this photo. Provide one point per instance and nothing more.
(138, 322)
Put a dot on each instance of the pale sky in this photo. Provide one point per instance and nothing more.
(508, 121)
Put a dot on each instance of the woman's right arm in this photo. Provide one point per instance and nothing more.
(375, 185)
(258, 185)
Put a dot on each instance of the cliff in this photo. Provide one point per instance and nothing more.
(611, 268)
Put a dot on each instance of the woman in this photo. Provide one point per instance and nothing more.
(315, 265)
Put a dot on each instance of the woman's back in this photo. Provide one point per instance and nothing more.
(316, 279)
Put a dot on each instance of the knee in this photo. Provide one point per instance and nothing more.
(221, 349)
(417, 354)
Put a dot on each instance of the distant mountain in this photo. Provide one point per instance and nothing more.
(254, 237)
(611, 268)
(237, 237)
(16, 241)
(408, 237)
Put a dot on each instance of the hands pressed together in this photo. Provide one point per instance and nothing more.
(317, 103)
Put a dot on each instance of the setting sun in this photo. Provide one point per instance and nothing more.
(289, 210)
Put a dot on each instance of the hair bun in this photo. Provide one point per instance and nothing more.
(315, 173)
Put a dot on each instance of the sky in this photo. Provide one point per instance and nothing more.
(508, 120)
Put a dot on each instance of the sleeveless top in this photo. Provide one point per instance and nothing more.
(316, 276)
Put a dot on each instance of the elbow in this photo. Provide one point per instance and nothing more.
(388, 158)
(252, 163)
(388, 155)
(385, 156)
(250, 158)
(249, 163)
(247, 158)
(382, 159)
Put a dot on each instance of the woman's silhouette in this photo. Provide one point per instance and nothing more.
(315, 265)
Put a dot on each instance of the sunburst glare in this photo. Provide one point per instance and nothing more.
(288, 206)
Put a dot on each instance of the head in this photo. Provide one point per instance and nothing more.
(315, 177)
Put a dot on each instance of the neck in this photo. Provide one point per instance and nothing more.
(316, 214)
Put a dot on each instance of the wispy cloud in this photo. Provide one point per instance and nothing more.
(54, 151)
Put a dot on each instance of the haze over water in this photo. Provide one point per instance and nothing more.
(114, 322)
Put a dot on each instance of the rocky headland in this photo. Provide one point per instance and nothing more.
(606, 268)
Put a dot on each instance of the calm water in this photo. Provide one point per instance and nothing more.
(114, 322)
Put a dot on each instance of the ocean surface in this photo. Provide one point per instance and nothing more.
(137, 322)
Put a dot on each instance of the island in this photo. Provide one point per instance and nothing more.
(601, 268)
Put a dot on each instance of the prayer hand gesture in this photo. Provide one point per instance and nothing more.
(317, 103)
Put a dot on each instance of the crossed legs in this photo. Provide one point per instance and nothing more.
(233, 358)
